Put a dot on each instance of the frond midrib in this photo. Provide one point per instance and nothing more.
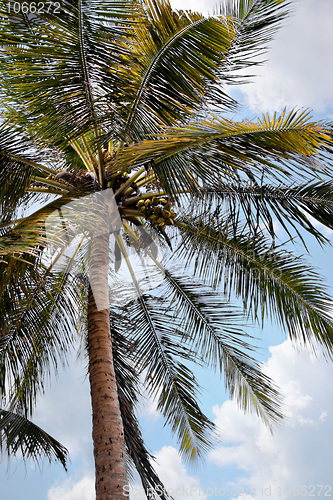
(270, 194)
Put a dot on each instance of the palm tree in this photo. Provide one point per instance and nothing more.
(100, 97)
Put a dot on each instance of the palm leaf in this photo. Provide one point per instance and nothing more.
(255, 23)
(66, 74)
(276, 147)
(157, 349)
(271, 282)
(47, 226)
(179, 54)
(260, 205)
(40, 313)
(20, 161)
(17, 434)
(213, 328)
(195, 55)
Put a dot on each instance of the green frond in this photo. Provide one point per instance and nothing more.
(20, 161)
(17, 434)
(185, 58)
(272, 283)
(254, 23)
(157, 348)
(276, 147)
(47, 227)
(70, 64)
(213, 328)
(179, 54)
(259, 205)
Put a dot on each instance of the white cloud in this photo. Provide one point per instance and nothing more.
(83, 489)
(297, 71)
(300, 452)
(168, 466)
(174, 476)
(173, 472)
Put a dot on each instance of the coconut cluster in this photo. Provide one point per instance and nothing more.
(158, 211)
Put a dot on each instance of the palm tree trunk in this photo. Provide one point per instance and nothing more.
(108, 433)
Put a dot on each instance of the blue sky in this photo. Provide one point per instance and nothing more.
(249, 459)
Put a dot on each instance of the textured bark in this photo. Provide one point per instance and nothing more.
(108, 433)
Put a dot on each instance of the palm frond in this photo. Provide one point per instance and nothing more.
(157, 348)
(179, 54)
(40, 314)
(271, 282)
(261, 205)
(47, 226)
(255, 23)
(20, 161)
(277, 147)
(213, 328)
(17, 434)
(66, 74)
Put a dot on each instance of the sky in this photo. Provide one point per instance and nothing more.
(248, 462)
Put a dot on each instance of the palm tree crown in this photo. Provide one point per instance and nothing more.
(129, 99)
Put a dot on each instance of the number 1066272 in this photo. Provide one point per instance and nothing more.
(33, 7)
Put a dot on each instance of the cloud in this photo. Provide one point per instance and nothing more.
(83, 489)
(300, 452)
(297, 72)
(168, 466)
(173, 474)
